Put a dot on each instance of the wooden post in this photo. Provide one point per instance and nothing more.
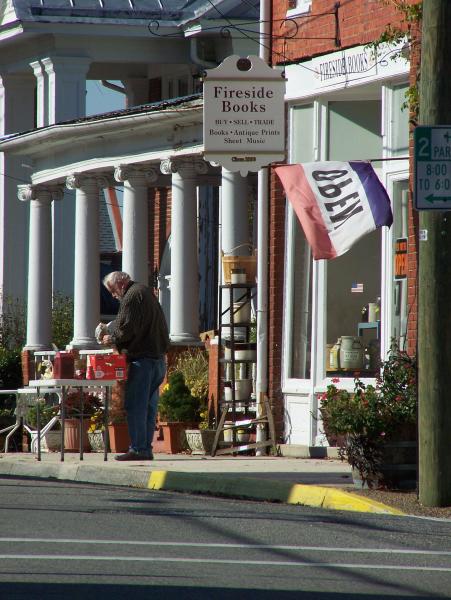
(434, 298)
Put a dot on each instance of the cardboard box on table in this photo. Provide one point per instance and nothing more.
(106, 366)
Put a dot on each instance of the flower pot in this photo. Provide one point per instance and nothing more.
(243, 436)
(72, 435)
(241, 312)
(53, 440)
(243, 389)
(96, 441)
(200, 441)
(119, 439)
(171, 437)
(396, 467)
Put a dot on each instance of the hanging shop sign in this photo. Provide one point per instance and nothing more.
(244, 114)
(401, 258)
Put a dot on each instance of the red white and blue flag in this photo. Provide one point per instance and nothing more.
(337, 203)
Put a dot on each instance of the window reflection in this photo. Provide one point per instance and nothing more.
(353, 309)
(302, 306)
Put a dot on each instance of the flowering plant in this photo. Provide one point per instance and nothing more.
(370, 413)
(91, 404)
(96, 421)
(204, 417)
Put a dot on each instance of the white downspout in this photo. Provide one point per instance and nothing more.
(261, 383)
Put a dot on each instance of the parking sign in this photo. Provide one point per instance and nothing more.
(433, 167)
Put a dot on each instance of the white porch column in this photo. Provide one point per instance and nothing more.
(184, 287)
(17, 114)
(42, 115)
(39, 309)
(61, 96)
(137, 90)
(66, 87)
(135, 248)
(234, 225)
(87, 259)
(234, 213)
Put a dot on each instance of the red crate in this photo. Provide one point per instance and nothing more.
(109, 366)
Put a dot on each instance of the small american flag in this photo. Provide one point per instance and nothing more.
(357, 287)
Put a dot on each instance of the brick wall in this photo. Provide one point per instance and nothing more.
(412, 256)
(275, 299)
(359, 22)
(160, 216)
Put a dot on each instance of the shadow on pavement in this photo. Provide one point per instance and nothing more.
(75, 591)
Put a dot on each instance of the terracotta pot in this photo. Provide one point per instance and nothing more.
(72, 435)
(171, 437)
(119, 439)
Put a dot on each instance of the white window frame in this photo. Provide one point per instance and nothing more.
(302, 7)
(389, 172)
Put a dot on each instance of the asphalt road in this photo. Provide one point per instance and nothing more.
(71, 541)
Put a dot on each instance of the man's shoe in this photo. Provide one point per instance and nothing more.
(131, 455)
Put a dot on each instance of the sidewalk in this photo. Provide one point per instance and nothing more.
(307, 481)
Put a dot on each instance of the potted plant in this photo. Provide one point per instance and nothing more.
(117, 420)
(51, 442)
(377, 423)
(79, 405)
(193, 364)
(200, 439)
(177, 410)
(96, 431)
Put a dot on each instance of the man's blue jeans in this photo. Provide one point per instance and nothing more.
(145, 375)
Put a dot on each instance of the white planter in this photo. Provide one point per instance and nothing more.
(243, 389)
(200, 441)
(50, 442)
(241, 312)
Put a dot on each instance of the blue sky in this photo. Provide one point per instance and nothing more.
(100, 99)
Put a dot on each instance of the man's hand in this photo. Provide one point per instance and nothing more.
(106, 340)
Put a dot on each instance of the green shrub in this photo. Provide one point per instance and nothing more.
(62, 320)
(13, 323)
(10, 369)
(370, 415)
(176, 401)
(46, 414)
(14, 318)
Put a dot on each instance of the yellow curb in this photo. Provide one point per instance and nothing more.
(308, 495)
(157, 480)
(317, 496)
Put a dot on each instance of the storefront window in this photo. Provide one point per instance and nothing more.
(301, 301)
(299, 305)
(354, 279)
(400, 122)
(353, 309)
(399, 232)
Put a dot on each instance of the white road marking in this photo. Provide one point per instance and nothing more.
(219, 561)
(226, 545)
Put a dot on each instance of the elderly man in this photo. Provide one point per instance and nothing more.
(140, 331)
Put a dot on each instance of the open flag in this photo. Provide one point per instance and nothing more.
(337, 203)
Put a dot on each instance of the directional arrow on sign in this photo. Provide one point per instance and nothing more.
(431, 198)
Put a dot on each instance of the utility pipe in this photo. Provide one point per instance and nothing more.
(261, 382)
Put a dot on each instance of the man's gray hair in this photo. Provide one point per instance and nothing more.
(115, 278)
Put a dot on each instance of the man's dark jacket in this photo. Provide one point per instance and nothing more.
(140, 327)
